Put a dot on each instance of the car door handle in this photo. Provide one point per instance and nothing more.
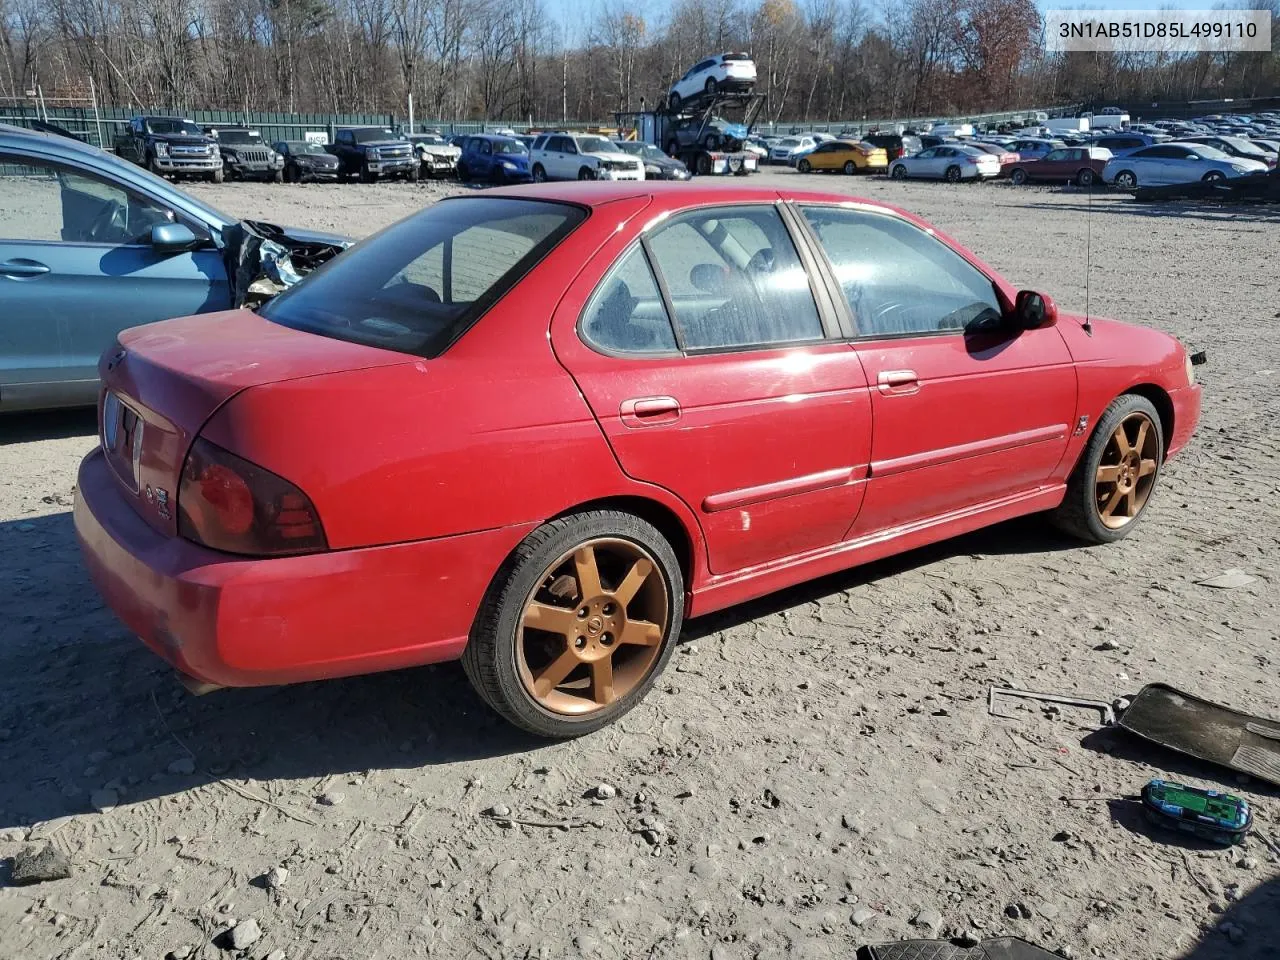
(898, 382)
(649, 411)
(23, 268)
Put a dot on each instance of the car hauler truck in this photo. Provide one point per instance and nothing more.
(697, 134)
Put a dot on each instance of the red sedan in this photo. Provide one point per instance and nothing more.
(538, 428)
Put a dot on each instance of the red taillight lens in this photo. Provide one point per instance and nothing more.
(230, 504)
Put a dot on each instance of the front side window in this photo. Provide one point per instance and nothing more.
(45, 203)
(735, 279)
(897, 279)
(418, 285)
(626, 313)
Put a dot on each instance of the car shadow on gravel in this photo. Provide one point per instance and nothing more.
(85, 707)
(1248, 929)
(50, 425)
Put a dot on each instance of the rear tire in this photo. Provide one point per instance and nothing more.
(850, 168)
(366, 175)
(953, 174)
(1126, 180)
(703, 165)
(586, 173)
(804, 166)
(291, 173)
(1085, 178)
(415, 174)
(1213, 176)
(504, 651)
(673, 102)
(539, 174)
(899, 172)
(463, 173)
(710, 87)
(1083, 510)
(277, 176)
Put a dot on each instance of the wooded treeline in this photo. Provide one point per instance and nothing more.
(818, 60)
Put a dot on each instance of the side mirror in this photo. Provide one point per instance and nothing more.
(170, 238)
(1032, 310)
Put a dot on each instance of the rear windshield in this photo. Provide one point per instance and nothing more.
(372, 135)
(416, 286)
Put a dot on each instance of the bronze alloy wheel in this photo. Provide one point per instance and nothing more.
(1126, 473)
(593, 627)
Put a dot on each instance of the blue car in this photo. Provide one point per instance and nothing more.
(494, 158)
(1122, 144)
(91, 244)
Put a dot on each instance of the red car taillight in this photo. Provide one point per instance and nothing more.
(230, 504)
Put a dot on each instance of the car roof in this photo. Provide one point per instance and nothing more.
(17, 136)
(670, 196)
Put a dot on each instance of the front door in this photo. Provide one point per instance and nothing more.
(76, 268)
(722, 385)
(965, 412)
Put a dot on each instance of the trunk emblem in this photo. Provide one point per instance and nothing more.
(158, 497)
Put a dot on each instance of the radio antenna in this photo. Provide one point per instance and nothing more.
(1088, 243)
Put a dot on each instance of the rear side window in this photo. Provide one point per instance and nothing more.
(417, 285)
(735, 279)
(626, 314)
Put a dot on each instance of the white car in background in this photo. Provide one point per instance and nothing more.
(723, 73)
(578, 156)
(951, 162)
(437, 157)
(788, 148)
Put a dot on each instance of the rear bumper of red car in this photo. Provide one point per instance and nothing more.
(235, 621)
(1186, 414)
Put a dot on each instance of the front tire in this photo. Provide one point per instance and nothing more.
(217, 176)
(586, 173)
(277, 176)
(1126, 180)
(1018, 176)
(366, 175)
(898, 173)
(850, 168)
(577, 624)
(539, 174)
(710, 86)
(1213, 176)
(1112, 484)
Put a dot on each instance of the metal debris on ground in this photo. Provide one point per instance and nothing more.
(1104, 707)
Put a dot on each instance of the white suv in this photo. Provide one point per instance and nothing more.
(722, 73)
(574, 156)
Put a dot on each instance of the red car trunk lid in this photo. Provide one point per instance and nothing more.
(166, 379)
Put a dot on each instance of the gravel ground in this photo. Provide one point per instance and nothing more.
(816, 770)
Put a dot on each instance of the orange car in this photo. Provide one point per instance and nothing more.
(849, 156)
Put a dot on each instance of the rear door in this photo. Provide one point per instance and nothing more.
(965, 413)
(77, 267)
(713, 371)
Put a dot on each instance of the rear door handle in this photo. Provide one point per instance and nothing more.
(649, 411)
(898, 382)
(23, 268)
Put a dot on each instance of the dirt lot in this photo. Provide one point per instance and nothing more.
(817, 770)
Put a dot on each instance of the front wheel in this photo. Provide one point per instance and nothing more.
(154, 166)
(577, 624)
(366, 175)
(277, 176)
(804, 166)
(1112, 484)
(539, 174)
(1126, 180)
(414, 174)
(710, 86)
(218, 175)
(850, 168)
(586, 173)
(953, 174)
(673, 102)
(898, 173)
(1018, 177)
(291, 173)
(1213, 176)
(463, 173)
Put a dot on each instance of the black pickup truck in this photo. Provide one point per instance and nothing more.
(373, 152)
(170, 147)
